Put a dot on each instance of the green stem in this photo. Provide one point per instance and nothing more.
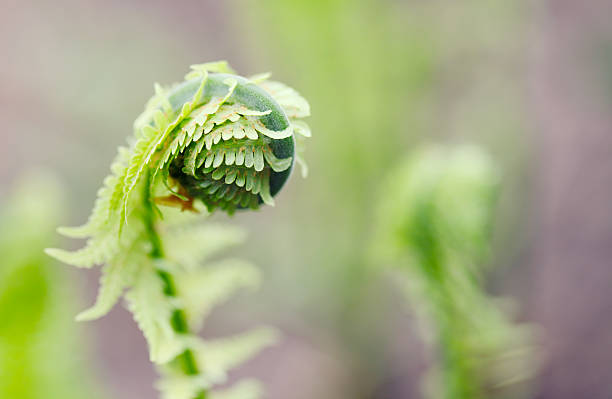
(178, 320)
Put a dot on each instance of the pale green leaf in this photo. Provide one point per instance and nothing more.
(260, 77)
(303, 166)
(152, 311)
(207, 287)
(117, 275)
(277, 164)
(294, 105)
(299, 155)
(217, 357)
(217, 66)
(96, 252)
(189, 246)
(301, 127)
(257, 124)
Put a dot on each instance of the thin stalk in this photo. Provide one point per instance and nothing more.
(178, 321)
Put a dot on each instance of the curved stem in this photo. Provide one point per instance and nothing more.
(178, 320)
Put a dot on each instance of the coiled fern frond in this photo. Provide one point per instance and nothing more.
(218, 140)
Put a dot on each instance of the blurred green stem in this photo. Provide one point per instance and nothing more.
(179, 319)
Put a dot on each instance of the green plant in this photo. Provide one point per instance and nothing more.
(216, 139)
(41, 354)
(435, 225)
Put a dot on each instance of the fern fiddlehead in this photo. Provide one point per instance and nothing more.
(218, 140)
(235, 146)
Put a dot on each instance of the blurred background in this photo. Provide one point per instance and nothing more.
(529, 81)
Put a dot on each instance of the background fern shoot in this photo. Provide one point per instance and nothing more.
(435, 225)
(218, 140)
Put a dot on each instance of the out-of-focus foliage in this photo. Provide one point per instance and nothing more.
(41, 356)
(435, 225)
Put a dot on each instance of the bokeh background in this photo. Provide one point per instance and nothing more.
(530, 81)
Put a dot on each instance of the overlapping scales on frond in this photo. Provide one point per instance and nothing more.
(237, 186)
(237, 125)
(183, 133)
(247, 153)
(233, 146)
(258, 125)
(235, 137)
(245, 181)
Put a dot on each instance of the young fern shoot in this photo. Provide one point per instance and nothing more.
(435, 224)
(218, 140)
